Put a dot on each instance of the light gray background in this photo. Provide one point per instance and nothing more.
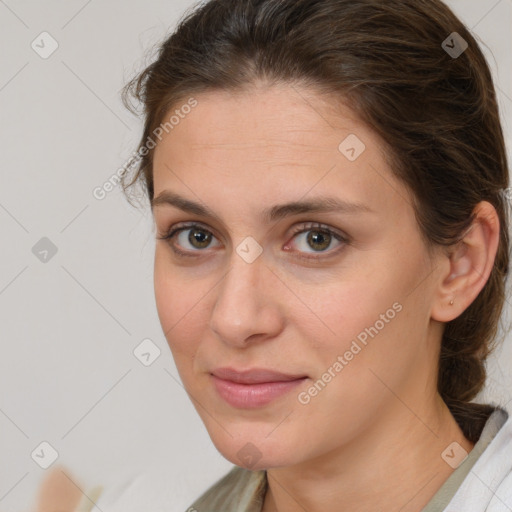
(69, 326)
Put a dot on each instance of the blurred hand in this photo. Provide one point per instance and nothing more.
(58, 492)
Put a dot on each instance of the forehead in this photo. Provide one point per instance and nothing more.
(267, 141)
(266, 115)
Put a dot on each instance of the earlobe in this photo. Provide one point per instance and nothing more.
(470, 265)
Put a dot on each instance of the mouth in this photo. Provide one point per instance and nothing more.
(249, 389)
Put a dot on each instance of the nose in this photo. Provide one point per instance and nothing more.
(247, 308)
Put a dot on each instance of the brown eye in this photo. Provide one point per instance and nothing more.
(200, 237)
(316, 238)
(320, 239)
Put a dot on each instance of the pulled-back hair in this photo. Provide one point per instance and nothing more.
(436, 112)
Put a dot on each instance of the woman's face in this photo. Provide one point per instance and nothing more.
(335, 299)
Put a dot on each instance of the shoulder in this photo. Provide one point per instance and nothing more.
(240, 490)
(488, 487)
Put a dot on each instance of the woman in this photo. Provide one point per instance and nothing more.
(327, 179)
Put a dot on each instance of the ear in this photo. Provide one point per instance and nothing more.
(470, 263)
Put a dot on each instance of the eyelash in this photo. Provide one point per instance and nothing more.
(304, 228)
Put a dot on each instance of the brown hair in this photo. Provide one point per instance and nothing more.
(436, 112)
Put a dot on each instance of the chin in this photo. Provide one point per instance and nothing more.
(252, 448)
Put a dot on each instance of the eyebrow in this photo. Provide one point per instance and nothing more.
(273, 213)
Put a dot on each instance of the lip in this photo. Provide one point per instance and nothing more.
(253, 388)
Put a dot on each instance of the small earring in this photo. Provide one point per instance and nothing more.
(451, 302)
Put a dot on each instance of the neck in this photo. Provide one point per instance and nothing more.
(395, 464)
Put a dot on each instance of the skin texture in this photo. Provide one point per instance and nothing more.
(372, 438)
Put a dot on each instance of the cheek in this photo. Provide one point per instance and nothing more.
(347, 306)
(165, 295)
(178, 306)
(363, 318)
